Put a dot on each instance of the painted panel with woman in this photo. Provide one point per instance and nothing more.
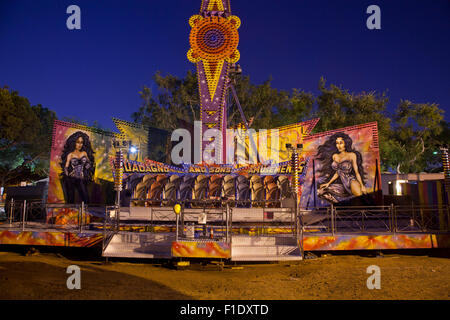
(344, 166)
(342, 173)
(78, 167)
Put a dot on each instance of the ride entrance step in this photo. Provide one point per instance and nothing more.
(264, 248)
(140, 245)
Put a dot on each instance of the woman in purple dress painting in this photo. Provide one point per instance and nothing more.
(341, 174)
(78, 164)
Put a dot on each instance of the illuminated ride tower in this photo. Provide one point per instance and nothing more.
(214, 40)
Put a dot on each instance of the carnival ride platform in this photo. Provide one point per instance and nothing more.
(234, 234)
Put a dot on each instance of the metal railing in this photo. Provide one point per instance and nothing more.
(204, 224)
(376, 219)
(111, 224)
(425, 218)
(362, 219)
(36, 214)
(3, 215)
(316, 219)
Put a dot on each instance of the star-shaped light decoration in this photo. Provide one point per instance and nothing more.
(213, 41)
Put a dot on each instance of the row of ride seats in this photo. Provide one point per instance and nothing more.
(243, 188)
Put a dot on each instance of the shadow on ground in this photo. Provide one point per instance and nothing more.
(20, 280)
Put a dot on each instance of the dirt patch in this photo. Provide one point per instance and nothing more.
(43, 276)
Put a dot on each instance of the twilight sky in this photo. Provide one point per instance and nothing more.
(96, 73)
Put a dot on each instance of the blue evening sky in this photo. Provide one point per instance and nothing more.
(96, 73)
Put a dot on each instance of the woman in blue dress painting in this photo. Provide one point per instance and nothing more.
(78, 164)
(341, 174)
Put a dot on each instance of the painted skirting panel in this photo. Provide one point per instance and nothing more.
(197, 249)
(67, 239)
(370, 242)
